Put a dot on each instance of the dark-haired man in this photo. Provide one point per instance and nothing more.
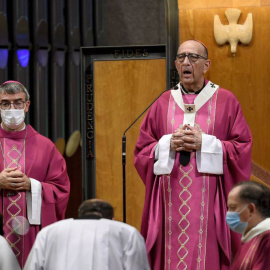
(92, 242)
(194, 145)
(34, 185)
(249, 214)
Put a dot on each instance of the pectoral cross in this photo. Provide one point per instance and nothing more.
(189, 108)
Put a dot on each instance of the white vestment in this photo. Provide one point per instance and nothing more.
(88, 244)
(8, 260)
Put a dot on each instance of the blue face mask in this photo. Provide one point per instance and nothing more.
(234, 222)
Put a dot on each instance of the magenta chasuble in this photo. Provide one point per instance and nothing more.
(184, 213)
(254, 254)
(38, 158)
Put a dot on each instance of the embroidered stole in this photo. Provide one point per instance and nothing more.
(14, 203)
(186, 193)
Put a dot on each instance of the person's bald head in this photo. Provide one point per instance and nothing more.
(248, 192)
(202, 49)
(97, 207)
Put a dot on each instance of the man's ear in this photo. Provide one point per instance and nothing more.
(175, 63)
(207, 65)
(27, 106)
(252, 208)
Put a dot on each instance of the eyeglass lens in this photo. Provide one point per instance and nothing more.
(191, 57)
(6, 105)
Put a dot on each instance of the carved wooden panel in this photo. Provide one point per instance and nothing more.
(122, 88)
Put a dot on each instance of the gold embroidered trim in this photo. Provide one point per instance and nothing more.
(184, 211)
(14, 223)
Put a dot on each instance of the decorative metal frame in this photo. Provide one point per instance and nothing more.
(88, 57)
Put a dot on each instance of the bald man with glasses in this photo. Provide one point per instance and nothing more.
(194, 145)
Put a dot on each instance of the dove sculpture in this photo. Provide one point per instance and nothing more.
(233, 32)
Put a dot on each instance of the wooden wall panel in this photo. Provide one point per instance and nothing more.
(246, 74)
(206, 4)
(265, 2)
(127, 87)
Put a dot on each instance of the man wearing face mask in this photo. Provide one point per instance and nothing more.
(249, 214)
(34, 185)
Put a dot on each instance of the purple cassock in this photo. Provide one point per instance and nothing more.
(37, 157)
(183, 221)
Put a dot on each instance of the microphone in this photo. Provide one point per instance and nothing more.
(124, 150)
(184, 157)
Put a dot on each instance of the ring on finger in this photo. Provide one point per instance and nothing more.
(13, 184)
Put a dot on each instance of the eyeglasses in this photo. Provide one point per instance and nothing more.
(6, 105)
(192, 57)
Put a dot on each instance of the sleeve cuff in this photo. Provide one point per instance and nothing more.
(210, 158)
(34, 201)
(164, 157)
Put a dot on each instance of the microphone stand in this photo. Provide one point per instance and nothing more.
(124, 152)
